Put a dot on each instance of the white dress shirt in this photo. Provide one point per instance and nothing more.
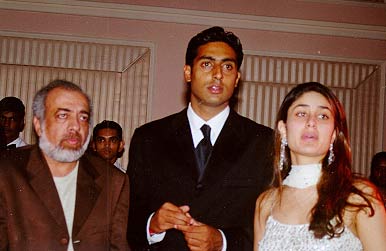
(19, 142)
(118, 165)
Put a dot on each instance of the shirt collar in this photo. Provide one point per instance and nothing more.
(118, 165)
(216, 124)
(18, 142)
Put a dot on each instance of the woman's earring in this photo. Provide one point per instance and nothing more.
(331, 156)
(283, 144)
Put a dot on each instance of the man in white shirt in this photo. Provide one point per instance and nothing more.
(195, 175)
(108, 142)
(12, 112)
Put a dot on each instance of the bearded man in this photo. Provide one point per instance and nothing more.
(53, 196)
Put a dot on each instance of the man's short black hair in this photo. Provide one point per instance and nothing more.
(107, 124)
(214, 34)
(12, 104)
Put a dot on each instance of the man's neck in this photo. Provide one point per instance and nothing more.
(205, 112)
(112, 161)
(59, 169)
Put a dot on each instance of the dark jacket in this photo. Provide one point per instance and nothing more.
(31, 215)
(162, 168)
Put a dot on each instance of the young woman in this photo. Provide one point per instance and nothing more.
(316, 203)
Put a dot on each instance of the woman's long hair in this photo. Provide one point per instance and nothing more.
(336, 182)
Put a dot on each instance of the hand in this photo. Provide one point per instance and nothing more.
(170, 216)
(201, 237)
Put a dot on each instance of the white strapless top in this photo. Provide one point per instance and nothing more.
(285, 237)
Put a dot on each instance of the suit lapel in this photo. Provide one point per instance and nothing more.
(183, 143)
(43, 184)
(225, 151)
(87, 193)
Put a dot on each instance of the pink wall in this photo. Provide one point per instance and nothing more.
(355, 13)
(170, 39)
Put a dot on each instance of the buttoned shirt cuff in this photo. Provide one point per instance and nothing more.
(224, 241)
(154, 238)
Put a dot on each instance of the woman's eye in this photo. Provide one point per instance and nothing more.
(300, 114)
(323, 116)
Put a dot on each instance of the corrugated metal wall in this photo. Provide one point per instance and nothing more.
(266, 80)
(116, 77)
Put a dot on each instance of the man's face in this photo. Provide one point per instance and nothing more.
(380, 173)
(213, 77)
(107, 144)
(66, 124)
(12, 123)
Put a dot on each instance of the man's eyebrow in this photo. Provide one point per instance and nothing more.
(63, 110)
(214, 59)
(69, 110)
(85, 112)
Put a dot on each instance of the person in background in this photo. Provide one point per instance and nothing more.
(316, 202)
(378, 173)
(3, 139)
(108, 142)
(52, 195)
(12, 112)
(195, 175)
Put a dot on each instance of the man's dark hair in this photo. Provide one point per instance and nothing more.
(12, 104)
(214, 34)
(107, 124)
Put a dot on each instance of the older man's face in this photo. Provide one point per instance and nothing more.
(66, 124)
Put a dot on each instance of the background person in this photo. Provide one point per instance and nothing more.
(12, 112)
(317, 203)
(200, 184)
(108, 142)
(378, 173)
(52, 196)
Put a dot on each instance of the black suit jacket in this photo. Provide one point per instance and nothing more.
(162, 168)
(31, 215)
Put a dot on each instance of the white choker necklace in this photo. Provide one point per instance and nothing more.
(303, 176)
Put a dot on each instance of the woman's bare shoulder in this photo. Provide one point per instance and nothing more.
(368, 189)
(266, 200)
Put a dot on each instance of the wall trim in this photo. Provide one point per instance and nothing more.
(350, 3)
(308, 56)
(183, 16)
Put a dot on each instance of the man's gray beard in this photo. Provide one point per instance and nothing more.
(60, 154)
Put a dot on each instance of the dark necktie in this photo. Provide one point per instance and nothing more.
(203, 149)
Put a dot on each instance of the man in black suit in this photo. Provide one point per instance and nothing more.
(181, 200)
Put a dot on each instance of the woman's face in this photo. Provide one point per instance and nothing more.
(309, 129)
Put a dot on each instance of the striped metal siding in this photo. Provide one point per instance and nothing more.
(115, 77)
(266, 81)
